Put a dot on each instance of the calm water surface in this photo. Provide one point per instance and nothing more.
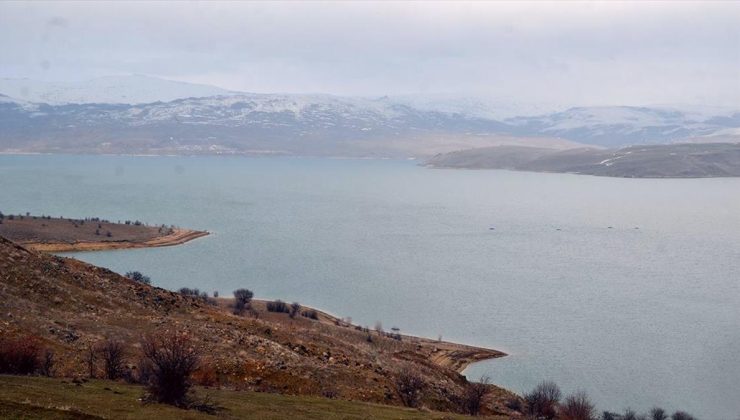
(644, 313)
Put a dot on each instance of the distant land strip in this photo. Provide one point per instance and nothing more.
(685, 160)
(57, 234)
(178, 237)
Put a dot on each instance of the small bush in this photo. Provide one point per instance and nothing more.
(576, 407)
(173, 360)
(630, 414)
(608, 415)
(409, 386)
(657, 413)
(242, 298)
(194, 293)
(682, 415)
(474, 394)
(112, 354)
(277, 306)
(138, 276)
(19, 356)
(543, 400)
(311, 314)
(294, 308)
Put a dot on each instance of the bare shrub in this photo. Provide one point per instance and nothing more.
(242, 297)
(294, 308)
(277, 306)
(608, 415)
(577, 407)
(542, 401)
(137, 276)
(409, 385)
(112, 353)
(474, 394)
(682, 415)
(20, 356)
(47, 364)
(173, 360)
(657, 413)
(630, 414)
(310, 314)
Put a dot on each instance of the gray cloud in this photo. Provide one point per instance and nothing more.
(570, 52)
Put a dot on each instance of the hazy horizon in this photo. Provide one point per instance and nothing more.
(582, 53)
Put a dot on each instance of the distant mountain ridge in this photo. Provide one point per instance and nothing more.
(134, 89)
(139, 114)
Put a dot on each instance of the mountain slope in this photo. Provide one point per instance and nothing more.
(137, 114)
(318, 125)
(625, 125)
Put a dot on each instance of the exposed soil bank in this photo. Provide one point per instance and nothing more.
(445, 354)
(179, 236)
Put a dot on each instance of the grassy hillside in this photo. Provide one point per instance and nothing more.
(33, 398)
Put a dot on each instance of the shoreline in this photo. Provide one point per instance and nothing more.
(445, 354)
(178, 237)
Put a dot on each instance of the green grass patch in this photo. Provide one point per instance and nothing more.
(24, 397)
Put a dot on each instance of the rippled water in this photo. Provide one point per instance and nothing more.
(628, 289)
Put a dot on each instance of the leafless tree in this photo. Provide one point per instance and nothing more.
(542, 401)
(409, 385)
(112, 353)
(474, 394)
(576, 407)
(173, 359)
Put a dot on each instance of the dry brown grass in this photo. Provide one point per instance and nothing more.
(71, 305)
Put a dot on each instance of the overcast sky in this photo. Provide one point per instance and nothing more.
(576, 53)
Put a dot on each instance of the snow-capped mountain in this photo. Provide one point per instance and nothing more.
(134, 89)
(231, 122)
(626, 125)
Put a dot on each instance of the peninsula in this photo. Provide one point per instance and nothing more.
(59, 234)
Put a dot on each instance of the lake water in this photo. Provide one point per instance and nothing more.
(644, 313)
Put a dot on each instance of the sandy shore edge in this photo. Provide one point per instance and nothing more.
(178, 237)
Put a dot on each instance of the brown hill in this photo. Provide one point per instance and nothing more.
(70, 305)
